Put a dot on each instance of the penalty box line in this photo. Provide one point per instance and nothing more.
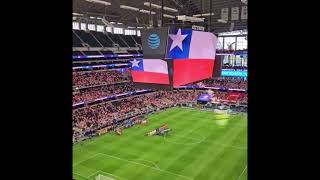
(242, 172)
(179, 175)
(96, 172)
(100, 172)
(81, 175)
(85, 160)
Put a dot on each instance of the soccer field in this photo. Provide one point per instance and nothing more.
(201, 146)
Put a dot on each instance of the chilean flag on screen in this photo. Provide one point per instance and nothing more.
(193, 54)
(149, 71)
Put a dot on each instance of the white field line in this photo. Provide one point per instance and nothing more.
(242, 172)
(125, 153)
(137, 158)
(179, 175)
(86, 143)
(85, 160)
(103, 172)
(192, 143)
(145, 161)
(204, 139)
(96, 172)
(108, 178)
(184, 136)
(113, 175)
(235, 147)
(92, 173)
(81, 175)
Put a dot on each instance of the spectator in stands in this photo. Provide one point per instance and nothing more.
(83, 79)
(95, 116)
(229, 83)
(90, 94)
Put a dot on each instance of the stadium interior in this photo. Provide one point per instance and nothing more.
(108, 107)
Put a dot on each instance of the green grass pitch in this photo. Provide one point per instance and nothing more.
(201, 146)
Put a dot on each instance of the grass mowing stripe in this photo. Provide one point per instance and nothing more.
(213, 162)
(82, 177)
(181, 155)
(147, 166)
(223, 150)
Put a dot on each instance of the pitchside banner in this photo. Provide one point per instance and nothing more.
(174, 57)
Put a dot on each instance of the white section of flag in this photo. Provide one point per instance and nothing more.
(202, 45)
(155, 65)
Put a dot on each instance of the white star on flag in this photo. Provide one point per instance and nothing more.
(135, 63)
(177, 39)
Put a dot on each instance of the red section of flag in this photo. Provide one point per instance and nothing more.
(150, 77)
(191, 70)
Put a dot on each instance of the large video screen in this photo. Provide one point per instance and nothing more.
(174, 57)
(153, 71)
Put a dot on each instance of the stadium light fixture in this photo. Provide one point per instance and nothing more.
(189, 18)
(201, 15)
(169, 16)
(119, 23)
(146, 11)
(170, 9)
(159, 7)
(152, 5)
(99, 2)
(244, 1)
(77, 14)
(137, 9)
(129, 8)
(222, 21)
(91, 17)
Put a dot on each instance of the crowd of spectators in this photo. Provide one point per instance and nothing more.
(83, 79)
(101, 115)
(233, 83)
(90, 94)
(244, 99)
(234, 67)
(96, 116)
(238, 97)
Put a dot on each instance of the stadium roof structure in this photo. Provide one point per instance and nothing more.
(136, 13)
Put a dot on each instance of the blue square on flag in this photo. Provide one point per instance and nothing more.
(179, 44)
(149, 71)
(136, 64)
